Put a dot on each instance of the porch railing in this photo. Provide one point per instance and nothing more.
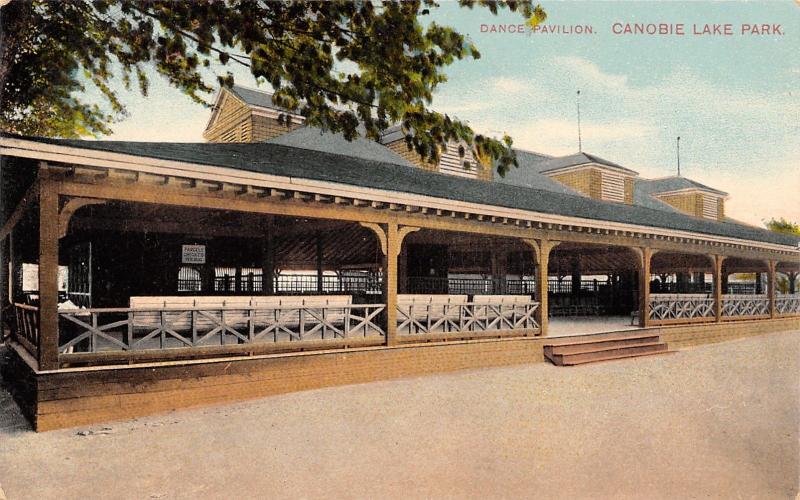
(27, 326)
(99, 330)
(465, 318)
(681, 307)
(745, 305)
(788, 304)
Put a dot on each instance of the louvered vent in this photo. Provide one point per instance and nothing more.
(613, 187)
(710, 210)
(451, 163)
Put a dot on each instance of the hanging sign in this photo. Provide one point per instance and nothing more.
(193, 254)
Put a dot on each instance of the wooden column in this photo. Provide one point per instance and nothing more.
(48, 275)
(499, 270)
(645, 254)
(390, 236)
(268, 262)
(575, 272)
(4, 298)
(792, 277)
(718, 260)
(541, 250)
(402, 270)
(392, 251)
(724, 279)
(320, 271)
(771, 288)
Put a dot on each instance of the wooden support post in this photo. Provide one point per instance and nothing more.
(4, 298)
(541, 251)
(718, 260)
(771, 288)
(320, 271)
(758, 285)
(390, 282)
(48, 274)
(792, 277)
(646, 254)
(268, 259)
(724, 280)
(499, 270)
(390, 237)
(576, 277)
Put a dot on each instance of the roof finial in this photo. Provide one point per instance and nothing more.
(578, 101)
(679, 156)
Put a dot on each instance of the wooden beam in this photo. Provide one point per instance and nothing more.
(68, 210)
(24, 203)
(168, 196)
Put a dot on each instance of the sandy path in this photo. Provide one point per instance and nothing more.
(719, 421)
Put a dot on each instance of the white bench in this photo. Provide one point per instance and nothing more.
(267, 310)
(428, 309)
(508, 306)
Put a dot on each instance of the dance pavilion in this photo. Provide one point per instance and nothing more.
(144, 277)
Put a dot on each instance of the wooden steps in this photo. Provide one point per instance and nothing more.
(589, 351)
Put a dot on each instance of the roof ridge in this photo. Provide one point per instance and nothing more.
(254, 89)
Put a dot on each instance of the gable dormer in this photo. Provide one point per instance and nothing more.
(688, 196)
(591, 176)
(456, 159)
(248, 115)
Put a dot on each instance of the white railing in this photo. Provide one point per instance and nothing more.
(745, 305)
(465, 317)
(666, 307)
(787, 304)
(98, 330)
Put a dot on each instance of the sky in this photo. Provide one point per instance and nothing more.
(733, 99)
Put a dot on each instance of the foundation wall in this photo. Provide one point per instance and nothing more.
(83, 396)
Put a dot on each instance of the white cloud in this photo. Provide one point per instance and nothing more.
(509, 85)
(589, 73)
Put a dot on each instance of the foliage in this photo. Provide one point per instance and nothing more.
(784, 283)
(338, 63)
(783, 226)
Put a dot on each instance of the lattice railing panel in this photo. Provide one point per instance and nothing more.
(27, 326)
(681, 306)
(414, 319)
(98, 330)
(745, 305)
(788, 304)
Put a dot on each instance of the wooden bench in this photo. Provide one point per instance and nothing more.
(506, 307)
(290, 313)
(418, 311)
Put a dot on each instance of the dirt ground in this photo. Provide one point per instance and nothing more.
(719, 421)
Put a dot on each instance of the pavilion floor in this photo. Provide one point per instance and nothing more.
(587, 325)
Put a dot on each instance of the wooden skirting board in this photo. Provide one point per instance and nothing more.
(84, 396)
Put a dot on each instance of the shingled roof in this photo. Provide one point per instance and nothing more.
(301, 163)
(674, 183)
(326, 142)
(578, 159)
(527, 174)
(255, 97)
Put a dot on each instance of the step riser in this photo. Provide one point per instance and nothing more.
(617, 358)
(574, 348)
(587, 357)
